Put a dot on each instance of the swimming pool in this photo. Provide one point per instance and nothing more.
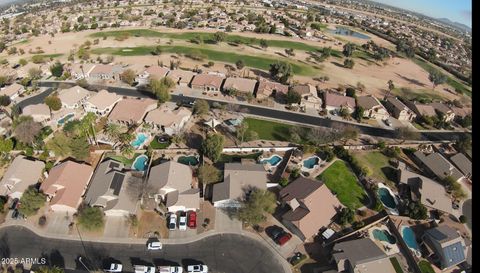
(140, 163)
(139, 141)
(311, 162)
(348, 32)
(65, 119)
(383, 235)
(274, 160)
(387, 199)
(188, 160)
(409, 237)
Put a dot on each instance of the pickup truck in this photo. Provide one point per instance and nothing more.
(170, 269)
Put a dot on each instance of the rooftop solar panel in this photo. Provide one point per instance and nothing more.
(117, 182)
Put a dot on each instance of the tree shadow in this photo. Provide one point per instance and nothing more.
(194, 140)
(139, 261)
(390, 173)
(410, 80)
(164, 262)
(260, 73)
(281, 54)
(189, 261)
(338, 64)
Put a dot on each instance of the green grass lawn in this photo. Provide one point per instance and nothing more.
(396, 265)
(126, 161)
(340, 180)
(417, 94)
(154, 144)
(378, 163)
(259, 62)
(225, 158)
(269, 130)
(425, 267)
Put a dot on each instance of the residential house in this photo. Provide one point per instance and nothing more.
(309, 96)
(372, 108)
(181, 77)
(238, 179)
(102, 102)
(65, 186)
(80, 71)
(108, 189)
(39, 112)
(151, 72)
(417, 187)
(399, 110)
(241, 85)
(12, 91)
(335, 102)
(73, 97)
(446, 246)
(131, 111)
(311, 206)
(421, 109)
(438, 165)
(168, 119)
(361, 255)
(463, 164)
(105, 72)
(171, 185)
(22, 173)
(207, 82)
(268, 88)
(461, 112)
(445, 111)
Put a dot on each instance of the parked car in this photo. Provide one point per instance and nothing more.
(182, 221)
(192, 219)
(388, 122)
(114, 267)
(15, 214)
(274, 232)
(14, 203)
(155, 245)
(144, 269)
(170, 269)
(284, 238)
(172, 222)
(199, 268)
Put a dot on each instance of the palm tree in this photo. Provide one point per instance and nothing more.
(113, 131)
(126, 149)
(88, 127)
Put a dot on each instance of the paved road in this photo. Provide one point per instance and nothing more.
(222, 253)
(467, 211)
(266, 112)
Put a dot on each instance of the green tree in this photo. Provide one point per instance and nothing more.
(128, 76)
(219, 36)
(35, 73)
(436, 77)
(113, 131)
(281, 71)
(212, 146)
(161, 88)
(240, 64)
(263, 43)
(255, 208)
(289, 51)
(464, 143)
(5, 100)
(348, 49)
(91, 218)
(6, 145)
(22, 62)
(27, 130)
(348, 63)
(79, 148)
(59, 144)
(31, 201)
(346, 216)
(57, 69)
(359, 112)
(208, 174)
(201, 107)
(53, 102)
(293, 97)
(405, 133)
(454, 188)
(350, 92)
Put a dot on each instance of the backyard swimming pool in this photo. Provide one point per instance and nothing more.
(409, 237)
(65, 119)
(188, 160)
(348, 32)
(386, 198)
(311, 162)
(139, 141)
(274, 160)
(383, 235)
(140, 163)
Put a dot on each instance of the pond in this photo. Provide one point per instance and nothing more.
(348, 32)
(188, 160)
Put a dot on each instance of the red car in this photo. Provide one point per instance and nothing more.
(284, 238)
(192, 219)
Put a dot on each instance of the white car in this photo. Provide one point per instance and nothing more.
(144, 269)
(170, 269)
(156, 245)
(172, 222)
(199, 268)
(182, 222)
(114, 268)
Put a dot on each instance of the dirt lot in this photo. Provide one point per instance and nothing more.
(150, 222)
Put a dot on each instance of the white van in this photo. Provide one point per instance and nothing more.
(144, 269)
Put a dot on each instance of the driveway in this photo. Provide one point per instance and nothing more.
(57, 223)
(116, 227)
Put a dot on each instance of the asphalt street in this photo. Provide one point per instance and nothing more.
(221, 253)
(260, 111)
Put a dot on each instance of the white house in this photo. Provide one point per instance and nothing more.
(12, 91)
(169, 120)
(102, 102)
(73, 97)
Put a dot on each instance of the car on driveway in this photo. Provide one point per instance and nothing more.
(182, 221)
(278, 234)
(387, 122)
(284, 238)
(192, 219)
(155, 245)
(172, 222)
(199, 268)
(114, 267)
(144, 269)
(14, 203)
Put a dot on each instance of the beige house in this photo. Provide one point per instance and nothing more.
(207, 82)
(309, 94)
(399, 110)
(151, 72)
(39, 112)
(447, 113)
(13, 91)
(73, 97)
(372, 108)
(421, 109)
(311, 206)
(181, 77)
(80, 71)
(242, 85)
(102, 102)
(167, 119)
(268, 88)
(65, 186)
(105, 72)
(21, 174)
(336, 102)
(131, 111)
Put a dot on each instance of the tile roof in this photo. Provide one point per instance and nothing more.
(462, 163)
(266, 87)
(240, 84)
(22, 173)
(157, 71)
(181, 76)
(207, 80)
(368, 102)
(103, 99)
(73, 95)
(11, 89)
(165, 116)
(439, 165)
(131, 110)
(335, 100)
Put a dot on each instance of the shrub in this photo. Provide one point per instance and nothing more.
(91, 218)
(42, 220)
(463, 219)
(283, 181)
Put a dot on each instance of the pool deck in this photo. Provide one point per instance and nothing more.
(389, 249)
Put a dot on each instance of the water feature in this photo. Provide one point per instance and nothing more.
(139, 140)
(348, 32)
(65, 119)
(311, 162)
(409, 237)
(140, 163)
(274, 160)
(188, 160)
(383, 235)
(387, 199)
